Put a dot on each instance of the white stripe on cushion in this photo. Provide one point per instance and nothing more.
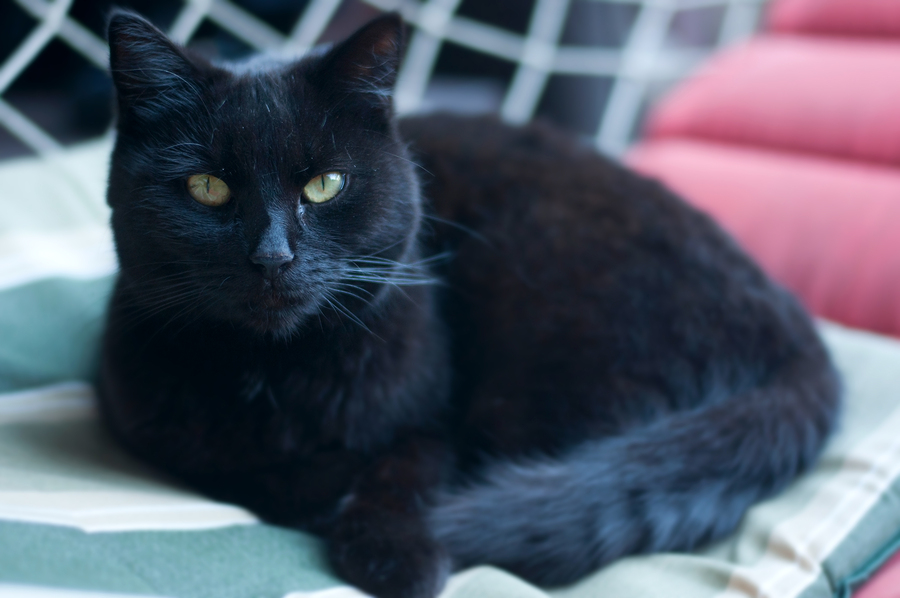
(69, 400)
(109, 511)
(29, 256)
(22, 591)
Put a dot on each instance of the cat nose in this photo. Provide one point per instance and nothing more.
(272, 263)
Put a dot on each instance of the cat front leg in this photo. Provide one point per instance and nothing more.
(380, 542)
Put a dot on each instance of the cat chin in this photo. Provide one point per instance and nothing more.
(278, 324)
(278, 313)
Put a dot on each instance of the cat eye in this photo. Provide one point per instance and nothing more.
(324, 187)
(209, 190)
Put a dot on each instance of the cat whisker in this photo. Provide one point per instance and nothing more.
(385, 248)
(197, 307)
(162, 306)
(389, 267)
(190, 306)
(352, 294)
(416, 264)
(184, 144)
(143, 316)
(460, 227)
(374, 277)
(405, 159)
(338, 307)
(356, 287)
(165, 293)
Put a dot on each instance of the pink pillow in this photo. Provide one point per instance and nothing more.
(825, 96)
(885, 583)
(827, 229)
(836, 17)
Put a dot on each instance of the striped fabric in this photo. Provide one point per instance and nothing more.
(78, 518)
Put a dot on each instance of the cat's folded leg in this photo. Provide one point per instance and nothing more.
(380, 541)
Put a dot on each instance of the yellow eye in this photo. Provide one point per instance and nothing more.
(324, 187)
(209, 190)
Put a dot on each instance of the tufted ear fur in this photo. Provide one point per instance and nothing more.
(367, 62)
(153, 76)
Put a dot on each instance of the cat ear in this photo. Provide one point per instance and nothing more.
(367, 62)
(153, 76)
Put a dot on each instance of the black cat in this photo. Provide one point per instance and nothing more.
(538, 360)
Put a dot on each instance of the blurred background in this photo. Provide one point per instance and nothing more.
(589, 66)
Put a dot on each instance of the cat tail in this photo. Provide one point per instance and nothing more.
(669, 486)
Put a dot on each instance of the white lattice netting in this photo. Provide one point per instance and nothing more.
(650, 44)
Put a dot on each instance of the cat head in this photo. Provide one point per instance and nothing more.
(265, 194)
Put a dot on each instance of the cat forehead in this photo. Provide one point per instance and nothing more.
(274, 86)
(248, 96)
(251, 107)
(267, 89)
(266, 120)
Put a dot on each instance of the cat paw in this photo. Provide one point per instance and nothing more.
(388, 557)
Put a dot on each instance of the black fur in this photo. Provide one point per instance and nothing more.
(545, 364)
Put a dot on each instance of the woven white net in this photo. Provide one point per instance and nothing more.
(648, 53)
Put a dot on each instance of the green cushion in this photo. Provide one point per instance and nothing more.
(76, 514)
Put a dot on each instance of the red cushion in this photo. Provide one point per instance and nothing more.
(827, 96)
(827, 229)
(836, 17)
